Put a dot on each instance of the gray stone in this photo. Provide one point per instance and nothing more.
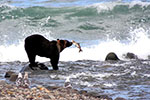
(13, 77)
(131, 56)
(8, 74)
(111, 56)
(119, 98)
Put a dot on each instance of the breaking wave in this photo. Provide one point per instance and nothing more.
(100, 28)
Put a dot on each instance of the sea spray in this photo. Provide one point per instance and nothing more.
(100, 28)
(137, 44)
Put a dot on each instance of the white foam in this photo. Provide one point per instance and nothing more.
(109, 84)
(133, 73)
(84, 83)
(108, 6)
(16, 53)
(101, 7)
(147, 75)
(138, 2)
(12, 53)
(138, 45)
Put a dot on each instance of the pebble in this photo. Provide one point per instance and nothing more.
(12, 92)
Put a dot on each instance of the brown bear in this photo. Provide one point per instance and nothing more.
(39, 45)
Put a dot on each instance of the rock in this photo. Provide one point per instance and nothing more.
(83, 92)
(119, 98)
(13, 77)
(111, 56)
(42, 66)
(101, 97)
(52, 87)
(148, 56)
(10, 91)
(106, 66)
(46, 97)
(8, 74)
(1, 95)
(130, 56)
(2, 82)
(52, 97)
(105, 97)
(94, 94)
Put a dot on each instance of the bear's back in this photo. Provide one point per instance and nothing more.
(35, 40)
(39, 44)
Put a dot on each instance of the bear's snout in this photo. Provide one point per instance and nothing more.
(68, 44)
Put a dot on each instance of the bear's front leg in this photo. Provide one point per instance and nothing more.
(54, 62)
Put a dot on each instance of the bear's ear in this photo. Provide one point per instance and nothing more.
(58, 41)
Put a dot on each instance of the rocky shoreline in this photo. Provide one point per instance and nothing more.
(12, 92)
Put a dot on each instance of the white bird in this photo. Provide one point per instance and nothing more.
(67, 83)
(19, 80)
(26, 82)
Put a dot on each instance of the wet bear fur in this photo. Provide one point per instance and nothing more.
(39, 45)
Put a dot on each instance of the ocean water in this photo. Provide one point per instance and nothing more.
(100, 26)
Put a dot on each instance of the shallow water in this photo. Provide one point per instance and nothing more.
(127, 79)
(100, 27)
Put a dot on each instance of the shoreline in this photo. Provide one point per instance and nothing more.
(12, 92)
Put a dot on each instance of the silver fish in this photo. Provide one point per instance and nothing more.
(77, 45)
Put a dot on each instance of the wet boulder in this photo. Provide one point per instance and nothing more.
(148, 56)
(119, 98)
(8, 74)
(130, 56)
(94, 94)
(111, 56)
(42, 66)
(13, 77)
(105, 97)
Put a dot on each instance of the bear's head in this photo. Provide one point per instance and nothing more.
(62, 44)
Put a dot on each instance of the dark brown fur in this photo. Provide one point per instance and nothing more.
(39, 45)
